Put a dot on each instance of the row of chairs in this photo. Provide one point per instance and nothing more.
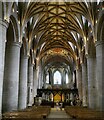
(83, 113)
(34, 112)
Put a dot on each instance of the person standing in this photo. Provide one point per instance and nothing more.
(57, 106)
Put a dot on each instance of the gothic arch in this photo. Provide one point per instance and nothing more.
(10, 35)
(15, 28)
(2, 10)
(31, 57)
(102, 32)
(57, 69)
(25, 46)
(100, 29)
(91, 47)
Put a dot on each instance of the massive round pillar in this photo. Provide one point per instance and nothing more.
(11, 77)
(100, 74)
(84, 84)
(79, 82)
(22, 103)
(40, 80)
(30, 85)
(3, 27)
(35, 82)
(91, 68)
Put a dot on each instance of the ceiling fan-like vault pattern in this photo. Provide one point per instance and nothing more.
(55, 27)
(62, 26)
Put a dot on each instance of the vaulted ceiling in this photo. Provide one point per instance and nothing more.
(58, 30)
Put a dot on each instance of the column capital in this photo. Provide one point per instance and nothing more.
(26, 56)
(79, 69)
(90, 56)
(18, 44)
(99, 43)
(4, 23)
(83, 64)
(31, 64)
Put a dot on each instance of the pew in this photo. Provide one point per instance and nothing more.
(39, 113)
(84, 113)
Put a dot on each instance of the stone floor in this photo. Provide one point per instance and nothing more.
(56, 113)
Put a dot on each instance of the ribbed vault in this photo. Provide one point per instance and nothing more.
(60, 28)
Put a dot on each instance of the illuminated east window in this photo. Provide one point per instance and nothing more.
(47, 78)
(57, 77)
(67, 81)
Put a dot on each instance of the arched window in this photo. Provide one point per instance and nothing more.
(57, 77)
(47, 78)
(67, 81)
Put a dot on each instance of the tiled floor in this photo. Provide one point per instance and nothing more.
(57, 113)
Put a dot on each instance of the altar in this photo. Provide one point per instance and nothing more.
(51, 96)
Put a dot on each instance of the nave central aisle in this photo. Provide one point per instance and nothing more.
(57, 113)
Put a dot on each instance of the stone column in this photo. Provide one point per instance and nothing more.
(79, 82)
(11, 77)
(74, 79)
(22, 103)
(35, 82)
(100, 74)
(84, 84)
(51, 78)
(91, 68)
(44, 79)
(30, 85)
(40, 78)
(63, 78)
(3, 27)
(73, 74)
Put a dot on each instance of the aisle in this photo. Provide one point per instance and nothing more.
(58, 114)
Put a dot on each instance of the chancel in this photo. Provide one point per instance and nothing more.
(51, 59)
